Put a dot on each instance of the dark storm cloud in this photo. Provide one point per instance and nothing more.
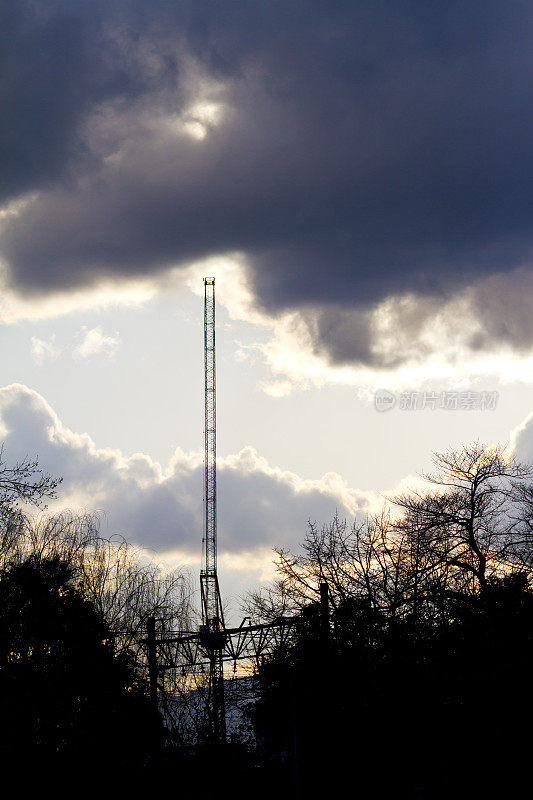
(56, 62)
(367, 149)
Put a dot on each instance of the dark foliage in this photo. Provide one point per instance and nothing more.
(405, 710)
(412, 682)
(69, 701)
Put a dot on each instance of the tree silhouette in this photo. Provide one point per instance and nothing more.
(469, 523)
(64, 689)
(24, 482)
(422, 687)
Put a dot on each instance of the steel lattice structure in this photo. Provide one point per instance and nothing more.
(194, 651)
(212, 614)
(213, 645)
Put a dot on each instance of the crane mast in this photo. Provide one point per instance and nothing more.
(213, 644)
(212, 614)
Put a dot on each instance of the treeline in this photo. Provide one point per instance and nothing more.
(416, 684)
(73, 612)
(420, 683)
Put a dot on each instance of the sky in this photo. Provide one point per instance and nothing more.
(358, 178)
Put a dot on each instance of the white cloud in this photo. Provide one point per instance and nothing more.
(407, 340)
(277, 388)
(43, 350)
(521, 441)
(96, 342)
(15, 307)
(260, 506)
(160, 508)
(459, 341)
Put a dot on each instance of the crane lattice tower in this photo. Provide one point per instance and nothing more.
(212, 614)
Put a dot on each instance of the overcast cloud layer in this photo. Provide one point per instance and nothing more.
(352, 151)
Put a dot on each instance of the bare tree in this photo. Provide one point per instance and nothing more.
(22, 485)
(25, 482)
(122, 584)
(356, 561)
(472, 522)
(466, 518)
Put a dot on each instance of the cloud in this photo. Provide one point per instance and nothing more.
(401, 343)
(158, 507)
(92, 342)
(95, 342)
(521, 440)
(43, 350)
(108, 294)
(361, 157)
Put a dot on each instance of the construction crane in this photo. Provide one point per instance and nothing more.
(212, 629)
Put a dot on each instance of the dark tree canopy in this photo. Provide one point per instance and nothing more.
(73, 613)
(63, 689)
(421, 688)
(414, 684)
